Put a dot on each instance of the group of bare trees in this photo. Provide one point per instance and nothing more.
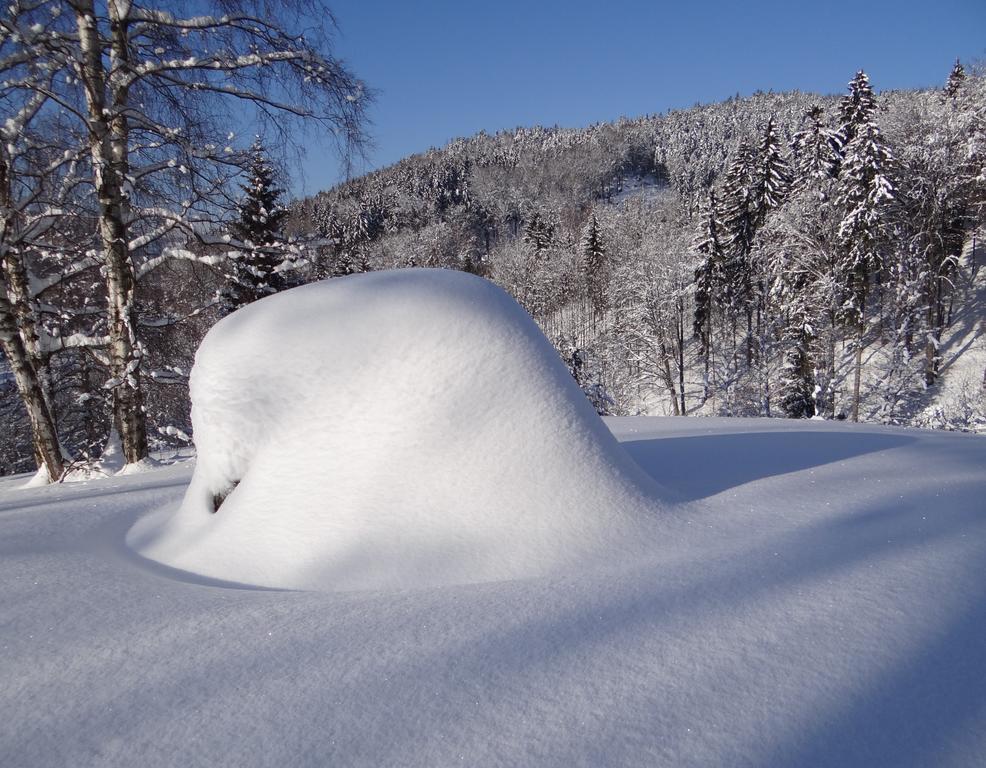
(116, 155)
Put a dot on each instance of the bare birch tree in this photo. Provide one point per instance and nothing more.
(39, 173)
(155, 86)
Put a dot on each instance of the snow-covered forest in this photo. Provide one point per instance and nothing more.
(781, 255)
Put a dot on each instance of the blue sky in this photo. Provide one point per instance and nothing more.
(444, 69)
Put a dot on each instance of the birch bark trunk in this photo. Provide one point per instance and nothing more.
(21, 343)
(47, 452)
(106, 98)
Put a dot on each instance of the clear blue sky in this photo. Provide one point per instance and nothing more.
(447, 68)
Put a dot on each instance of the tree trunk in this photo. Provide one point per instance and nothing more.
(707, 343)
(749, 337)
(681, 354)
(47, 451)
(21, 343)
(830, 399)
(930, 353)
(108, 143)
(857, 375)
(668, 378)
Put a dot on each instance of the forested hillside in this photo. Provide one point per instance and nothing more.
(779, 255)
(784, 254)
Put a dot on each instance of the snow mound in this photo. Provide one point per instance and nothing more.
(395, 429)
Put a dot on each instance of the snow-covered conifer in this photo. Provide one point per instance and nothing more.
(816, 153)
(772, 178)
(261, 215)
(864, 190)
(538, 233)
(594, 264)
(857, 107)
(955, 79)
(259, 228)
(709, 275)
(863, 193)
(739, 219)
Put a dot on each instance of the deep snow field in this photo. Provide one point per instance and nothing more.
(407, 540)
(818, 599)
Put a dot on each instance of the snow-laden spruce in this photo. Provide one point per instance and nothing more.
(395, 429)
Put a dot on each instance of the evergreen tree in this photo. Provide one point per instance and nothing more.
(816, 153)
(538, 234)
(793, 292)
(538, 290)
(806, 293)
(862, 196)
(772, 181)
(863, 192)
(595, 265)
(955, 79)
(771, 187)
(709, 275)
(739, 219)
(709, 282)
(259, 228)
(857, 108)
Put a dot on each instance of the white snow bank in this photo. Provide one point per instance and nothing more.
(395, 429)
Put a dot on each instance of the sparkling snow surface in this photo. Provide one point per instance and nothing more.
(818, 599)
(396, 429)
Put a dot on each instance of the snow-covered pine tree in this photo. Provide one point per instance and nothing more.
(792, 299)
(710, 282)
(863, 193)
(739, 220)
(594, 265)
(816, 154)
(539, 236)
(955, 79)
(259, 228)
(797, 385)
(772, 179)
(261, 215)
(538, 233)
(856, 108)
(771, 185)
(741, 216)
(804, 294)
(808, 290)
(805, 291)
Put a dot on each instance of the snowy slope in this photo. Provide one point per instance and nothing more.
(818, 599)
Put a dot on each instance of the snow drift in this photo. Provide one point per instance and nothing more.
(395, 429)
